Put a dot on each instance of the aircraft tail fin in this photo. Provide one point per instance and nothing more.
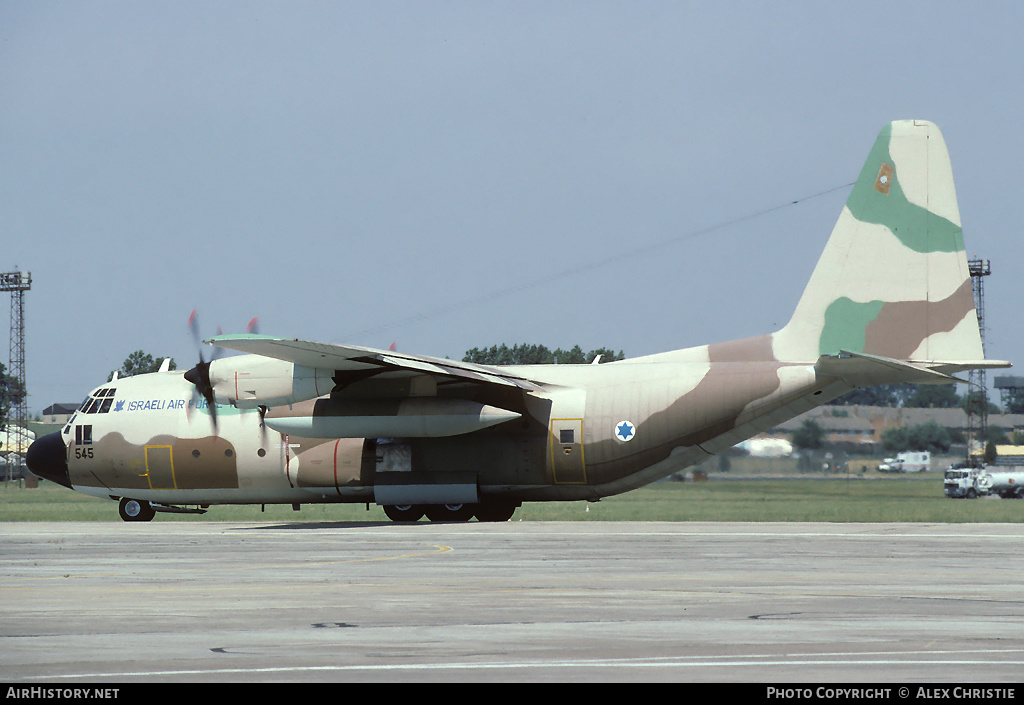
(893, 281)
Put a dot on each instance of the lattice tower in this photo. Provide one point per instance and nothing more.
(16, 388)
(977, 413)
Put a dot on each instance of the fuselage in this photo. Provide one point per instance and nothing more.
(590, 432)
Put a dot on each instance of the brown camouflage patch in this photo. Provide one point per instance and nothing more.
(165, 462)
(884, 180)
(900, 327)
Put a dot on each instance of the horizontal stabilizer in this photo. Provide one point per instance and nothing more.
(861, 369)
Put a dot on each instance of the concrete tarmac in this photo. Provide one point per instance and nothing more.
(176, 601)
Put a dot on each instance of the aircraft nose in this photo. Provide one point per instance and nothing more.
(47, 457)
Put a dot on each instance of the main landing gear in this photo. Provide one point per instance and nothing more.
(493, 510)
(135, 509)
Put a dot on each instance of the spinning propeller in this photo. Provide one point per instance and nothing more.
(200, 374)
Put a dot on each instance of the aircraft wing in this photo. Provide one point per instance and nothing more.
(356, 362)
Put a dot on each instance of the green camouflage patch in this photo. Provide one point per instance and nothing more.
(845, 324)
(917, 228)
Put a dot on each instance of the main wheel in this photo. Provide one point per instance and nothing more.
(450, 512)
(403, 512)
(496, 510)
(135, 509)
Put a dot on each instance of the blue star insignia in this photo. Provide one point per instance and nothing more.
(624, 431)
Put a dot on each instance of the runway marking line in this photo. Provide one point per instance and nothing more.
(876, 658)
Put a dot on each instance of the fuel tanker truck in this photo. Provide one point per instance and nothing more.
(1007, 481)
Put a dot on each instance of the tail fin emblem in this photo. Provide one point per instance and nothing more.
(884, 178)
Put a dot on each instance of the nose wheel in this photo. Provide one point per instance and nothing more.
(135, 509)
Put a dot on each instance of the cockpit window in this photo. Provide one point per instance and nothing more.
(99, 402)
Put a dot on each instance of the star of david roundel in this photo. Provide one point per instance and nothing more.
(625, 431)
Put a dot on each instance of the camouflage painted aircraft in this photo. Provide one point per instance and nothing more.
(295, 422)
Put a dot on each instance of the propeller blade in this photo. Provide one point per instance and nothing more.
(200, 377)
(193, 326)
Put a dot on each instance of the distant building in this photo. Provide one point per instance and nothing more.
(59, 413)
(1009, 455)
(863, 425)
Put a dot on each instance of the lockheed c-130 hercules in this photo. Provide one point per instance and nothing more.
(295, 422)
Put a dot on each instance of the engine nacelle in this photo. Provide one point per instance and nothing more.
(248, 381)
(333, 465)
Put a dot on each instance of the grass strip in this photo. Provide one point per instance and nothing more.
(858, 499)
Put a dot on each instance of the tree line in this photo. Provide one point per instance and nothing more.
(928, 436)
(929, 396)
(527, 354)
(139, 363)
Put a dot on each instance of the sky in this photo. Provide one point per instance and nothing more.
(641, 176)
